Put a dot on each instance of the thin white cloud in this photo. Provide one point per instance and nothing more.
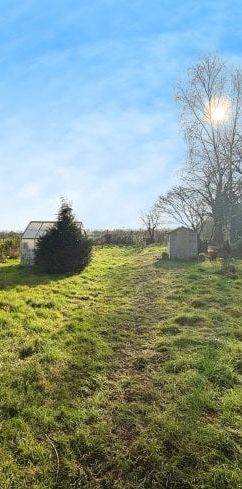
(96, 121)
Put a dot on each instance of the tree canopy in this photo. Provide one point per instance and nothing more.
(210, 103)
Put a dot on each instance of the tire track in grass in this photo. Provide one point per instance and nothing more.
(169, 434)
(135, 352)
(131, 394)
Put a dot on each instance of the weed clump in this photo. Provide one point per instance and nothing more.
(170, 330)
(188, 319)
(228, 269)
(199, 303)
(202, 257)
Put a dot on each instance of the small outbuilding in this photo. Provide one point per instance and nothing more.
(30, 236)
(34, 230)
(183, 243)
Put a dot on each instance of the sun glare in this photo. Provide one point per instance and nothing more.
(217, 110)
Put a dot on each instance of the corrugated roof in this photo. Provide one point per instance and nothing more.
(36, 229)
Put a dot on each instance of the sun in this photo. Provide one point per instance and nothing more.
(217, 110)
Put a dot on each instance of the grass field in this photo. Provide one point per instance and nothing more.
(127, 376)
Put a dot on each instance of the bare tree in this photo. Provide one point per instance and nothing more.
(211, 116)
(151, 220)
(185, 206)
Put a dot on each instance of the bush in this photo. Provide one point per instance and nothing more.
(3, 255)
(122, 237)
(164, 255)
(202, 257)
(9, 248)
(127, 237)
(228, 269)
(236, 249)
(224, 251)
(65, 248)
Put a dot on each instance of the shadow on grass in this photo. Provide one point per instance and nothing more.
(12, 275)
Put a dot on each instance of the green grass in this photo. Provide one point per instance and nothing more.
(127, 376)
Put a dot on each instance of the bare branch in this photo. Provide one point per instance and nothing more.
(211, 117)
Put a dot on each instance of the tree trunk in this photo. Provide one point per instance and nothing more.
(151, 235)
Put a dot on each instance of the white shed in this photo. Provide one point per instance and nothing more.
(183, 243)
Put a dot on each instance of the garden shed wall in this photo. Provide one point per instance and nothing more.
(183, 244)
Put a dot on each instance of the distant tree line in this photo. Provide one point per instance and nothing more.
(127, 237)
(10, 234)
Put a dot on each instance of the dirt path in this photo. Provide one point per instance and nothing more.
(135, 348)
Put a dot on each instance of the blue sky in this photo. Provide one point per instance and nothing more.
(87, 101)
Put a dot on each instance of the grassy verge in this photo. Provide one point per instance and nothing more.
(126, 376)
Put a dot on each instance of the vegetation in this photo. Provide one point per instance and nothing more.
(127, 237)
(237, 248)
(9, 248)
(151, 221)
(9, 234)
(210, 103)
(125, 376)
(64, 248)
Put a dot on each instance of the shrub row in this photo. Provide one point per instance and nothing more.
(9, 248)
(126, 237)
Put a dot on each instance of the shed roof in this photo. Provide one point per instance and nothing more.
(182, 228)
(36, 229)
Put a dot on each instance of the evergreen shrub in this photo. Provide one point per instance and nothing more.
(64, 248)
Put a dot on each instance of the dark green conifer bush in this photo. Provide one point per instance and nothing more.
(65, 247)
